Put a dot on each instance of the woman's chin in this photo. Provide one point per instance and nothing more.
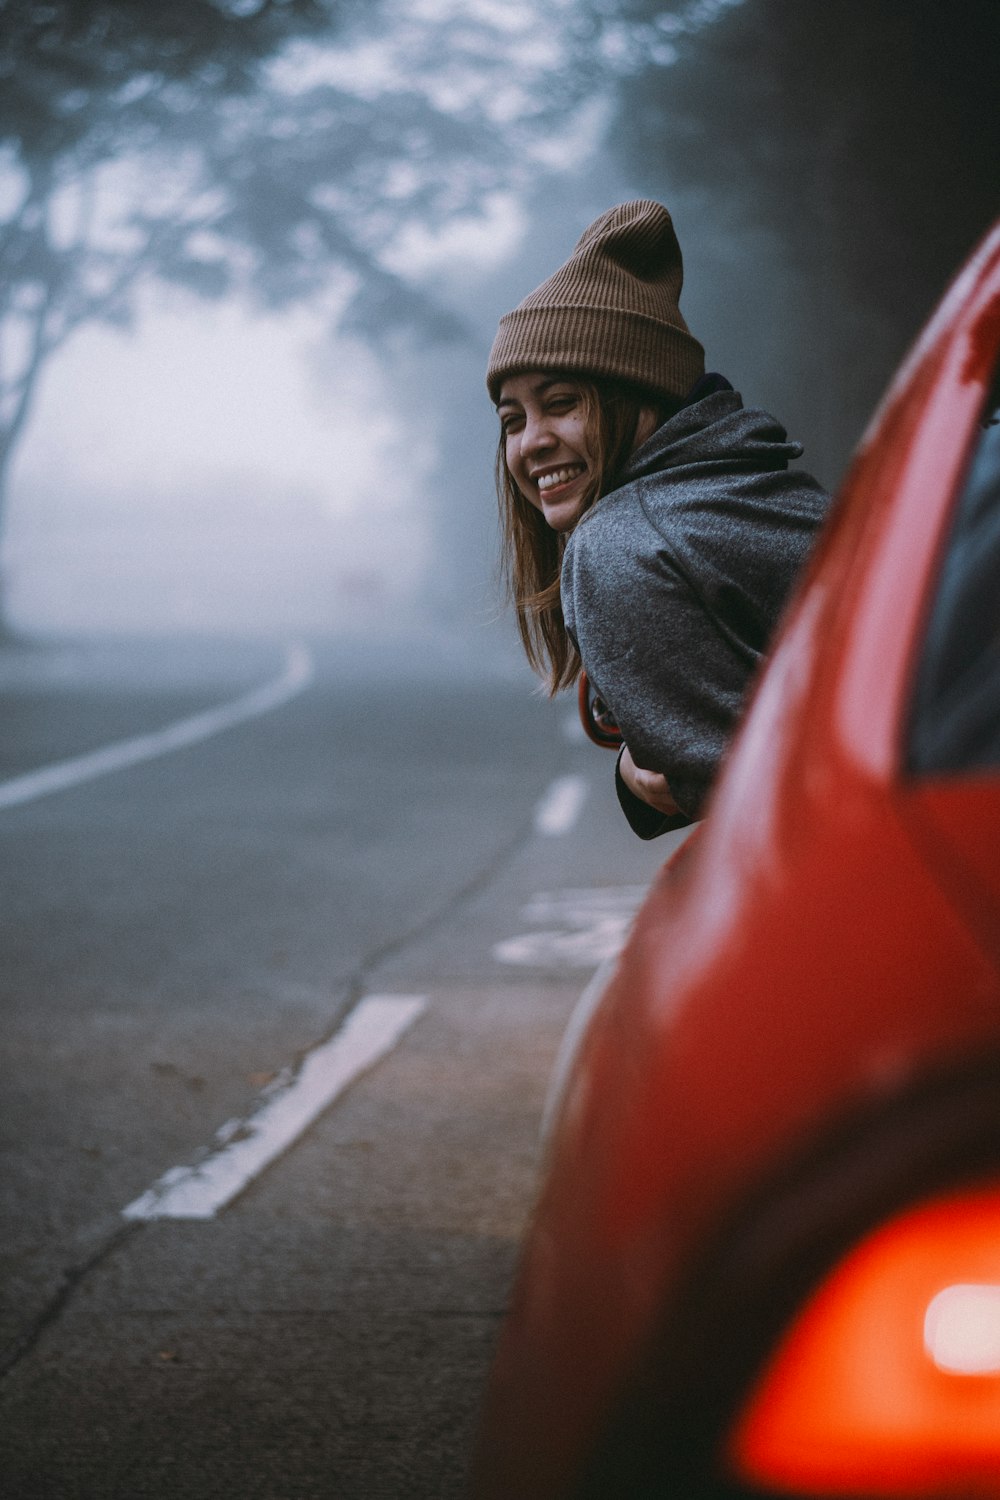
(562, 514)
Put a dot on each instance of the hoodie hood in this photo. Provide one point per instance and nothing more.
(717, 434)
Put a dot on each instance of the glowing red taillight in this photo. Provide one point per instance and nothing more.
(888, 1381)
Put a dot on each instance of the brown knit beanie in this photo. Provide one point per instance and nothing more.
(612, 309)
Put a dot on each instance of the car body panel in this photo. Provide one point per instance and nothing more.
(828, 936)
(956, 819)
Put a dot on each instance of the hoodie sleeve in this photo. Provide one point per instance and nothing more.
(652, 647)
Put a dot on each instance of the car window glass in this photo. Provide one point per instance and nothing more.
(956, 711)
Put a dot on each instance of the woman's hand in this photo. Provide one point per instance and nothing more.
(649, 786)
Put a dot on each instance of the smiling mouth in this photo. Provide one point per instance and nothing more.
(557, 477)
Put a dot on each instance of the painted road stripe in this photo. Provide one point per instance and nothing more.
(559, 809)
(593, 925)
(297, 674)
(288, 1106)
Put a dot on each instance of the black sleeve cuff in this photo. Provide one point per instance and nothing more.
(644, 820)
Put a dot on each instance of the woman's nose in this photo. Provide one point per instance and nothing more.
(538, 435)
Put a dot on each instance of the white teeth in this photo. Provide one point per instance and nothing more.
(559, 476)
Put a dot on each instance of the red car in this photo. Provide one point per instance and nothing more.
(765, 1259)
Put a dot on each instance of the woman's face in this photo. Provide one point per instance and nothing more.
(544, 421)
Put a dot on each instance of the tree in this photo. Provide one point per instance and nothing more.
(280, 148)
(81, 84)
(862, 136)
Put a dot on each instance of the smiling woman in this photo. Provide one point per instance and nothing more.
(653, 529)
(547, 446)
(553, 439)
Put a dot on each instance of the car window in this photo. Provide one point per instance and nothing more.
(956, 711)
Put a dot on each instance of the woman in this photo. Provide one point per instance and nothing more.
(652, 526)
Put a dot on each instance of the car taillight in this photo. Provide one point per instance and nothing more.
(888, 1381)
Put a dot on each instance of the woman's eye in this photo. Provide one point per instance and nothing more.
(510, 423)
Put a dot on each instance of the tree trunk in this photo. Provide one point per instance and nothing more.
(9, 635)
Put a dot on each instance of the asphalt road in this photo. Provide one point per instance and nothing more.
(179, 937)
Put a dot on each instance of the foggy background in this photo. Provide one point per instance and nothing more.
(254, 254)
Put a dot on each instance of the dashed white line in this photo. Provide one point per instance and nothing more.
(287, 1107)
(297, 674)
(559, 809)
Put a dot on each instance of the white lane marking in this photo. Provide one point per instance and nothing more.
(579, 906)
(560, 807)
(595, 922)
(297, 674)
(573, 950)
(288, 1106)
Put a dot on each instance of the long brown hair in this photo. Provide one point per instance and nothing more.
(532, 553)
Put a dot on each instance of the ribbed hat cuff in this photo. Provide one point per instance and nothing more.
(607, 341)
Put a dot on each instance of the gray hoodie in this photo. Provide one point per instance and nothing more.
(673, 583)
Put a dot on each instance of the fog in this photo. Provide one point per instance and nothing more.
(201, 474)
(278, 424)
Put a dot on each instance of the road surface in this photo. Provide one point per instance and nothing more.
(290, 938)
